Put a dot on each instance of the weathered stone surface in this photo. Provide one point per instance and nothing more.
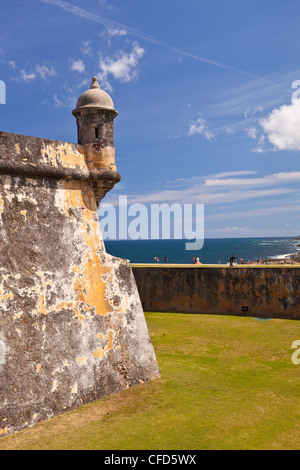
(265, 291)
(40, 158)
(94, 115)
(72, 328)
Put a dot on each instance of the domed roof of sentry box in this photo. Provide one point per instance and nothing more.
(95, 98)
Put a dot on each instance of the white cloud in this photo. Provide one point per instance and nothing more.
(274, 180)
(84, 83)
(122, 67)
(113, 31)
(225, 174)
(261, 145)
(57, 102)
(198, 194)
(12, 64)
(85, 48)
(65, 101)
(196, 180)
(104, 4)
(77, 66)
(66, 6)
(232, 229)
(222, 189)
(263, 212)
(26, 77)
(252, 112)
(43, 71)
(201, 127)
(282, 127)
(252, 133)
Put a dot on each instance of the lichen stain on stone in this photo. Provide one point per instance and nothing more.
(63, 154)
(80, 157)
(100, 352)
(4, 295)
(105, 158)
(80, 360)
(54, 386)
(41, 295)
(76, 196)
(110, 336)
(90, 288)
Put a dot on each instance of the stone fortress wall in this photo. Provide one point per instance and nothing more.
(72, 328)
(263, 292)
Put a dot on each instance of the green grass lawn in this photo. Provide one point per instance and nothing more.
(227, 383)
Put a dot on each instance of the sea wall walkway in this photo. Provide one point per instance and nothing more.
(257, 291)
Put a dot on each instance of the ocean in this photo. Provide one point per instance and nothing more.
(214, 251)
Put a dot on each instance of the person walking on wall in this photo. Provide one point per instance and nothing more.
(232, 261)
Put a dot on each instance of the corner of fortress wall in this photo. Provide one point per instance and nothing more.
(72, 328)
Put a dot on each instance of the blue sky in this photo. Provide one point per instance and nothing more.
(206, 94)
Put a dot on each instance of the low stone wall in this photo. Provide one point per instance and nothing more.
(263, 292)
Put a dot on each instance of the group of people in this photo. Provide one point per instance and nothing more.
(232, 262)
(156, 259)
